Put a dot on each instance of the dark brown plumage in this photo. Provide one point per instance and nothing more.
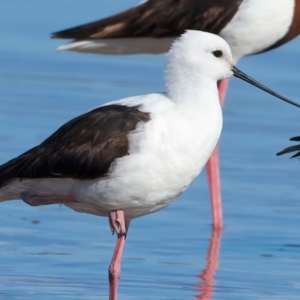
(158, 18)
(83, 148)
(292, 148)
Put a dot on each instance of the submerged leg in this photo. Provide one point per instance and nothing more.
(34, 199)
(213, 171)
(120, 226)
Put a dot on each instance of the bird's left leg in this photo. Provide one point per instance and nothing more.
(119, 226)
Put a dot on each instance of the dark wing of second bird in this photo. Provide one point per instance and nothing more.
(83, 148)
(158, 18)
(292, 148)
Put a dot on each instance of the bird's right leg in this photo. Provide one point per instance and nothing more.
(120, 226)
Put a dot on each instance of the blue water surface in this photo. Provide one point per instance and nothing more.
(53, 252)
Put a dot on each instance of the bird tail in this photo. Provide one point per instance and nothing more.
(128, 23)
(8, 171)
(133, 31)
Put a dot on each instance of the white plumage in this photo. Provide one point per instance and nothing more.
(165, 154)
(258, 25)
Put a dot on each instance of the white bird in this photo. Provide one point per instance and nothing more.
(134, 156)
(249, 26)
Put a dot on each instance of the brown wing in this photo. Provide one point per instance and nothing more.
(83, 148)
(292, 148)
(158, 18)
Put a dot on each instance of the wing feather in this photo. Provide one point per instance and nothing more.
(158, 18)
(83, 148)
(292, 148)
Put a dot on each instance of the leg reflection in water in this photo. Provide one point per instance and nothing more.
(206, 286)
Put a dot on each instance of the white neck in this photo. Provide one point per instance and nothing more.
(190, 91)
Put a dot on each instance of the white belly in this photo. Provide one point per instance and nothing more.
(166, 154)
(159, 168)
(257, 25)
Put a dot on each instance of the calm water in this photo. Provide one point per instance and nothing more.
(54, 253)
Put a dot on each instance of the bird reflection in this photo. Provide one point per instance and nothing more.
(206, 286)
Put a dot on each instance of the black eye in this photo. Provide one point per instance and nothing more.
(217, 53)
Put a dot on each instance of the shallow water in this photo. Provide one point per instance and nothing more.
(54, 253)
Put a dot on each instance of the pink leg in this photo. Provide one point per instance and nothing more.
(213, 171)
(222, 87)
(34, 199)
(120, 226)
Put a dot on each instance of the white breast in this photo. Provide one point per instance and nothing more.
(166, 155)
(257, 25)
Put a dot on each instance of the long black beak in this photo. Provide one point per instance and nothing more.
(239, 74)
